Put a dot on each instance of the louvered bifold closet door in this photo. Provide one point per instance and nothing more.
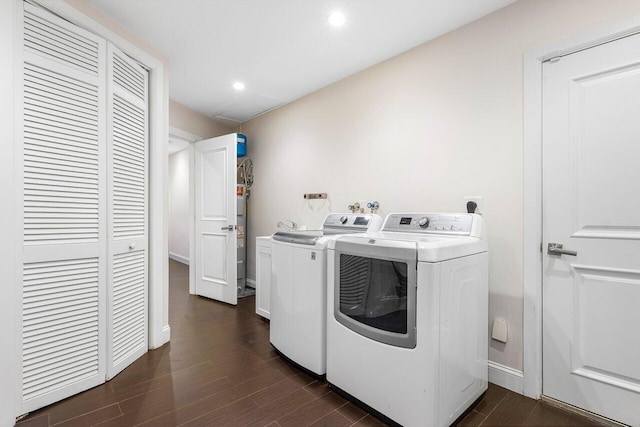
(64, 194)
(127, 133)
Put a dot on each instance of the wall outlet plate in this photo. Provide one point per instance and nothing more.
(478, 200)
(499, 331)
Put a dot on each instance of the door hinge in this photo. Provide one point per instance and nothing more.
(540, 247)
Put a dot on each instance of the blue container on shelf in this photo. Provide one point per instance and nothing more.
(242, 145)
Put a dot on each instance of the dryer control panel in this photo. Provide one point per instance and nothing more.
(432, 223)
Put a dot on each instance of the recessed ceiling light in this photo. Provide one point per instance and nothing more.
(238, 86)
(337, 19)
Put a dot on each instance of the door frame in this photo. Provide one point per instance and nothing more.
(192, 139)
(532, 183)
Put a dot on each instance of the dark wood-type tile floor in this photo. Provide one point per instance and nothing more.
(220, 370)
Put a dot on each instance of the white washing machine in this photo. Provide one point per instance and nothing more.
(407, 318)
(299, 288)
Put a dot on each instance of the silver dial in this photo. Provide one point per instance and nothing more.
(424, 222)
(343, 219)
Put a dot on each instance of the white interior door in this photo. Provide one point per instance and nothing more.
(64, 270)
(215, 218)
(127, 172)
(591, 199)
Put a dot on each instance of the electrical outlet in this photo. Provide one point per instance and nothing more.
(478, 200)
(499, 330)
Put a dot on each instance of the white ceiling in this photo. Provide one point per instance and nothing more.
(281, 49)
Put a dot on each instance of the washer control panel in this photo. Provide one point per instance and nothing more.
(437, 223)
(351, 223)
(347, 220)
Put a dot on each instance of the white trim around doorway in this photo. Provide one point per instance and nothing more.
(532, 156)
(184, 135)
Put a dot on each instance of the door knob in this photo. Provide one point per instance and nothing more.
(556, 249)
(132, 246)
(228, 227)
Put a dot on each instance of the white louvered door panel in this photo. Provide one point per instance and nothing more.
(127, 135)
(64, 188)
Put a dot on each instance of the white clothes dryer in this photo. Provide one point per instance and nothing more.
(407, 318)
(299, 288)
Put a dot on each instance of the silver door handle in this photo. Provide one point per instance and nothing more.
(556, 249)
(228, 227)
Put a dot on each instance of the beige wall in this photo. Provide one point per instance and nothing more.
(179, 204)
(418, 133)
(183, 118)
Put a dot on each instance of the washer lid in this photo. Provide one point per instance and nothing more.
(309, 238)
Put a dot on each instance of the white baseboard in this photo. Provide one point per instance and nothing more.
(163, 338)
(166, 333)
(251, 283)
(179, 258)
(506, 377)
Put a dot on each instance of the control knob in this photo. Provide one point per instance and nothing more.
(343, 219)
(424, 222)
